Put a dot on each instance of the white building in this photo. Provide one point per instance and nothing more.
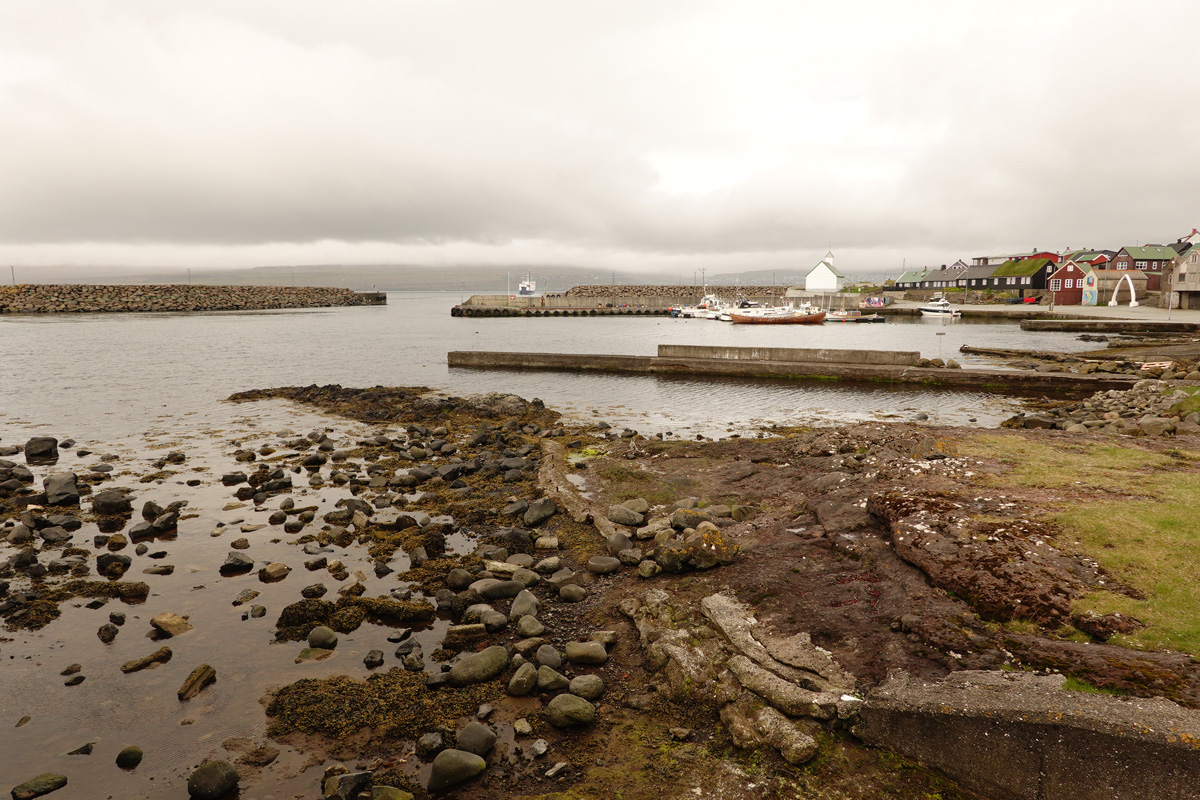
(824, 277)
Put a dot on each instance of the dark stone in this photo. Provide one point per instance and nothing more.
(130, 757)
(61, 489)
(212, 780)
(477, 738)
(452, 767)
(112, 502)
(41, 450)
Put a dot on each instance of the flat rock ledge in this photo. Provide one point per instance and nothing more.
(727, 656)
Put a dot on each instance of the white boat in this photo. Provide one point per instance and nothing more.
(844, 315)
(939, 306)
(527, 287)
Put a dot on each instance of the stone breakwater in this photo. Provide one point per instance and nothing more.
(67, 298)
(672, 293)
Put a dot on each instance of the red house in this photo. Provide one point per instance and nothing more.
(1067, 283)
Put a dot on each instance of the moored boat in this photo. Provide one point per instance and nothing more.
(776, 316)
(939, 306)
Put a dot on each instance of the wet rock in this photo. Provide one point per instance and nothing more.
(170, 624)
(236, 563)
(160, 656)
(570, 711)
(212, 780)
(317, 590)
(130, 757)
(36, 787)
(347, 785)
(477, 738)
(275, 571)
(452, 767)
(245, 596)
(41, 450)
(107, 632)
(479, 667)
(429, 745)
(195, 682)
(61, 489)
(373, 659)
(322, 637)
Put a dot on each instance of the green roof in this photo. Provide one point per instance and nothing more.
(1155, 252)
(912, 276)
(1022, 268)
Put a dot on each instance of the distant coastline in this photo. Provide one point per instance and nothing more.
(82, 298)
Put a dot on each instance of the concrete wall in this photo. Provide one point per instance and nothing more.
(819, 356)
(1019, 736)
(67, 298)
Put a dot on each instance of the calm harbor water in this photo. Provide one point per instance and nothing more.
(136, 385)
(99, 376)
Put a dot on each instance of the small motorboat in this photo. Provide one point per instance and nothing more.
(871, 318)
(939, 306)
(844, 315)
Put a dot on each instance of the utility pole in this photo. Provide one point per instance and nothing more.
(189, 276)
(614, 289)
(13, 270)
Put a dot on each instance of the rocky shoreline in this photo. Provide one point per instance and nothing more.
(570, 608)
(81, 298)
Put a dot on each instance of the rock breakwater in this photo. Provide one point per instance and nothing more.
(68, 298)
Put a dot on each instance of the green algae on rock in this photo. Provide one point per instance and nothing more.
(297, 620)
(394, 704)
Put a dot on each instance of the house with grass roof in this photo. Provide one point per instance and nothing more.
(1154, 260)
(1026, 275)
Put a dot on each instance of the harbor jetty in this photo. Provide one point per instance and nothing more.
(79, 298)
(821, 364)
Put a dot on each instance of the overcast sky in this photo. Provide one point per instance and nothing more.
(664, 135)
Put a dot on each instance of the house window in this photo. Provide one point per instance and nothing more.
(1140, 265)
(1027, 281)
(1055, 284)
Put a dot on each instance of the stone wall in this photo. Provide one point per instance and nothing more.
(66, 298)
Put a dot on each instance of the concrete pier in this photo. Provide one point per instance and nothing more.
(859, 367)
(1109, 326)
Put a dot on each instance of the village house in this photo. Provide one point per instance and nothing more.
(1028, 274)
(1069, 282)
(824, 277)
(911, 279)
(1095, 258)
(985, 261)
(975, 276)
(1187, 278)
(943, 278)
(1152, 260)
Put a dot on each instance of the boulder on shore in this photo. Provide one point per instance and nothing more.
(212, 780)
(452, 767)
(479, 667)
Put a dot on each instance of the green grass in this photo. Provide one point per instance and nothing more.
(1143, 527)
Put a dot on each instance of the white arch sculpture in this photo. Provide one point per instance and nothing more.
(1132, 292)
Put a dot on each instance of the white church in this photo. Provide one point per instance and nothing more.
(824, 277)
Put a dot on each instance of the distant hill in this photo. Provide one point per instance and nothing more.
(406, 277)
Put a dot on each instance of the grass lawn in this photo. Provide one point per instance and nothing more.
(1139, 517)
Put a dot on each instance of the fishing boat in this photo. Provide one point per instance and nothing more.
(527, 287)
(776, 315)
(871, 318)
(844, 315)
(939, 306)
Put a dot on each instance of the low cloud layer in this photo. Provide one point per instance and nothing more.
(668, 136)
